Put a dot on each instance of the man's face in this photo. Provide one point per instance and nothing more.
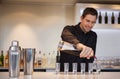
(88, 22)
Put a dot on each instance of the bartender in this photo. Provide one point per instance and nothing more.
(82, 38)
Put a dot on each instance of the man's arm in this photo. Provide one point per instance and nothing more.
(68, 36)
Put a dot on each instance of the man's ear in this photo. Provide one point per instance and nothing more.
(81, 18)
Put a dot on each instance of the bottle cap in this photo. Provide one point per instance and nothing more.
(15, 43)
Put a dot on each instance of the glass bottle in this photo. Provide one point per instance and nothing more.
(100, 18)
(112, 18)
(39, 59)
(106, 18)
(60, 45)
(44, 60)
(35, 61)
(6, 60)
(2, 58)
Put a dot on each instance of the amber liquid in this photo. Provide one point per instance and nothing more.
(6, 64)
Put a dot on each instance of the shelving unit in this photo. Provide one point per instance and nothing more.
(101, 8)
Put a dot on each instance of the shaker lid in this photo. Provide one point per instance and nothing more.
(15, 43)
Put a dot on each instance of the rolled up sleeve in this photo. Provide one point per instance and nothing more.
(68, 36)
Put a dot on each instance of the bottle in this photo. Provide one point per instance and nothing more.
(100, 18)
(6, 60)
(49, 59)
(119, 18)
(53, 58)
(106, 18)
(58, 57)
(14, 59)
(112, 18)
(39, 59)
(60, 45)
(21, 58)
(44, 61)
(35, 60)
(2, 58)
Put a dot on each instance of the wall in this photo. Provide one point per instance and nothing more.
(34, 26)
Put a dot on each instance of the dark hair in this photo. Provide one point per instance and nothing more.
(91, 11)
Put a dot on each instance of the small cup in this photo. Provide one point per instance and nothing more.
(74, 67)
(66, 68)
(57, 68)
(82, 68)
(90, 68)
(98, 68)
(29, 56)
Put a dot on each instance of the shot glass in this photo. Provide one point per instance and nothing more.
(57, 68)
(66, 68)
(90, 68)
(82, 68)
(74, 67)
(98, 68)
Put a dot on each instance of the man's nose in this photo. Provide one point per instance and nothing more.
(90, 25)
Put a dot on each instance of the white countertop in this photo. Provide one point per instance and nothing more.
(52, 75)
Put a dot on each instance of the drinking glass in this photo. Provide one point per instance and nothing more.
(57, 68)
(66, 68)
(90, 68)
(82, 68)
(98, 68)
(74, 67)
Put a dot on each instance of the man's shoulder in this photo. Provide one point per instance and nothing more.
(93, 33)
(69, 27)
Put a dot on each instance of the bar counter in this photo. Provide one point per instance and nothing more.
(70, 75)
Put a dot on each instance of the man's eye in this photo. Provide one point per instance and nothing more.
(93, 22)
(87, 20)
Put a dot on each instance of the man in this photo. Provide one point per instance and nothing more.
(82, 38)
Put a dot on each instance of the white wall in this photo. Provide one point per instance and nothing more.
(108, 43)
(35, 26)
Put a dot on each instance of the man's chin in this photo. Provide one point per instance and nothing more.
(87, 31)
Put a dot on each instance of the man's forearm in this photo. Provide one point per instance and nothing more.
(69, 37)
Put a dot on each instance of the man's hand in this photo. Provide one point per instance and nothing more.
(86, 52)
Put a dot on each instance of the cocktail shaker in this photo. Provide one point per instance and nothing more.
(14, 59)
(29, 56)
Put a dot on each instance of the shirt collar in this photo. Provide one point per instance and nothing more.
(80, 30)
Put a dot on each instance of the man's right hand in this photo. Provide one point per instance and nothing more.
(86, 52)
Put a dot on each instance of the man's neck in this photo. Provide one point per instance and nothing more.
(82, 28)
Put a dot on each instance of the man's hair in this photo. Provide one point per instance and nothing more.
(91, 11)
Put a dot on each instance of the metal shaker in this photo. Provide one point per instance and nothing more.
(29, 56)
(14, 59)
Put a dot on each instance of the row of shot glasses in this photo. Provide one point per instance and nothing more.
(91, 67)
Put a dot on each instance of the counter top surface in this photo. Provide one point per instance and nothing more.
(53, 75)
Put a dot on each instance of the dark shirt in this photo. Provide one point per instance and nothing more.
(74, 35)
